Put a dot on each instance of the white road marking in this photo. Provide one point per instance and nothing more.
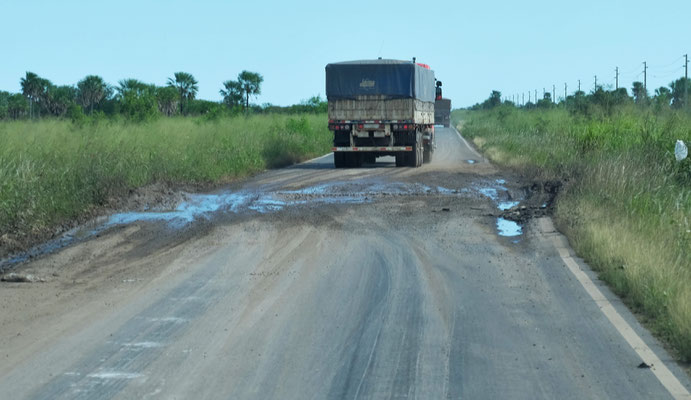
(467, 145)
(663, 374)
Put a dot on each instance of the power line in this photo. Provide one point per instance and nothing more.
(668, 65)
(667, 70)
(658, 72)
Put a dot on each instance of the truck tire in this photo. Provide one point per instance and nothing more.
(354, 160)
(414, 157)
(419, 153)
(339, 160)
(427, 154)
(410, 158)
(400, 159)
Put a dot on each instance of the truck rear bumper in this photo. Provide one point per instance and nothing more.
(373, 148)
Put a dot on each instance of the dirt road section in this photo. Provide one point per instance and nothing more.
(311, 282)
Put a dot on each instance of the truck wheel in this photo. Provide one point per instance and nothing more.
(419, 153)
(339, 160)
(358, 158)
(410, 158)
(413, 157)
(416, 156)
(353, 160)
(348, 162)
(427, 155)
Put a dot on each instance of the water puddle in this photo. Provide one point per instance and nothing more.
(508, 228)
(499, 194)
(507, 205)
(206, 206)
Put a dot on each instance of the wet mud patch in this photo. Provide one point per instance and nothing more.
(181, 212)
(516, 206)
(539, 202)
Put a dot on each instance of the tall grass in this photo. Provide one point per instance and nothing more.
(627, 202)
(52, 171)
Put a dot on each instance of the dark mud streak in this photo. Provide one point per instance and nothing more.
(205, 207)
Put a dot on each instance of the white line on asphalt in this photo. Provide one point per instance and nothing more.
(663, 374)
(466, 143)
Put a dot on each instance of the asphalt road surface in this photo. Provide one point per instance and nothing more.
(315, 283)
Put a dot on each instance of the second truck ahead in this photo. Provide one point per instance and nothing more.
(378, 108)
(442, 109)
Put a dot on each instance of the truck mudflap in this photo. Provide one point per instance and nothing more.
(372, 148)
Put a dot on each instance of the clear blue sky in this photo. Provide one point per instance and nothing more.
(474, 47)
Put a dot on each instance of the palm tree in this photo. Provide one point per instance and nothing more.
(186, 86)
(167, 98)
(640, 94)
(31, 88)
(131, 85)
(91, 90)
(251, 85)
(232, 94)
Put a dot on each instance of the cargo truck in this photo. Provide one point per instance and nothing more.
(381, 108)
(442, 112)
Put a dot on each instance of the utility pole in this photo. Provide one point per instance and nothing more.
(565, 91)
(579, 85)
(535, 96)
(554, 94)
(528, 96)
(523, 99)
(645, 77)
(595, 83)
(686, 80)
(616, 79)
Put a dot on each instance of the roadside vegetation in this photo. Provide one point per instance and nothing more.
(134, 100)
(626, 202)
(68, 151)
(53, 171)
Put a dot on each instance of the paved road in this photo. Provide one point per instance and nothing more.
(379, 282)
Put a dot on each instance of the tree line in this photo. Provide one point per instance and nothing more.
(665, 97)
(137, 100)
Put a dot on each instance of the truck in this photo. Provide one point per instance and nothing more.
(442, 108)
(381, 108)
(442, 112)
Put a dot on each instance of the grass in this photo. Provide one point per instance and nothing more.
(52, 171)
(627, 203)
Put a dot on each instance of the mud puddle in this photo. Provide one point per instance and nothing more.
(519, 206)
(504, 200)
(192, 207)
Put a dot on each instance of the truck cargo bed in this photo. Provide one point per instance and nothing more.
(372, 108)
